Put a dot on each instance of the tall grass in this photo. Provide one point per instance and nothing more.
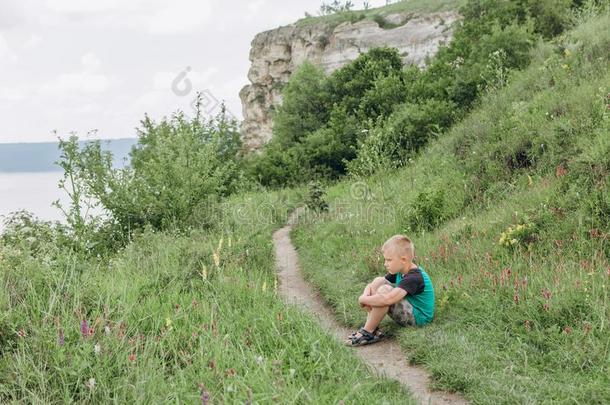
(174, 317)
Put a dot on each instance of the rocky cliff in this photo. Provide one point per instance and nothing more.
(275, 54)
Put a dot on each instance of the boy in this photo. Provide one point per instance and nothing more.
(405, 293)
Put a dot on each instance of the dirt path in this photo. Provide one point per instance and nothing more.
(385, 358)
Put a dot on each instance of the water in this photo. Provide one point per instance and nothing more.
(32, 191)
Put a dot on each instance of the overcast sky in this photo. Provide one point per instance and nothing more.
(80, 65)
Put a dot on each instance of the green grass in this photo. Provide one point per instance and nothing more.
(526, 323)
(408, 6)
(171, 312)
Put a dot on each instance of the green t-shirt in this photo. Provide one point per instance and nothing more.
(420, 293)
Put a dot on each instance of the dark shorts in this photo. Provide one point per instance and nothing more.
(402, 311)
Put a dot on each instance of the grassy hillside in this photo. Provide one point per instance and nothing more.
(510, 213)
(172, 318)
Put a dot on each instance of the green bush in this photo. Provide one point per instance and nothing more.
(427, 211)
(180, 170)
(305, 106)
(392, 142)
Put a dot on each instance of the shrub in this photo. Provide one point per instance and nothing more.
(179, 169)
(427, 211)
(305, 106)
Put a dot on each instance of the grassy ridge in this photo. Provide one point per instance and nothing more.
(172, 318)
(410, 6)
(509, 212)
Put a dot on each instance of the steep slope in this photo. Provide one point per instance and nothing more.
(510, 214)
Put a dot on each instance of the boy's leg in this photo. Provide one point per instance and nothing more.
(376, 314)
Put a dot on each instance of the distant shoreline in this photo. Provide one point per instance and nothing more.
(36, 157)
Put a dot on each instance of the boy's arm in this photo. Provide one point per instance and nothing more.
(383, 300)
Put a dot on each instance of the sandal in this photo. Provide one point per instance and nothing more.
(376, 332)
(365, 338)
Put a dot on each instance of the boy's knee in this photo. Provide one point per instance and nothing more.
(384, 289)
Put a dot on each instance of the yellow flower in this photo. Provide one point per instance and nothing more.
(168, 323)
(567, 53)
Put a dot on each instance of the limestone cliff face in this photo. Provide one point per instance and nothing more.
(275, 54)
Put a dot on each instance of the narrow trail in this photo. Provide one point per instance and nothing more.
(384, 358)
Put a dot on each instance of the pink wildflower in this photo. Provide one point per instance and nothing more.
(84, 328)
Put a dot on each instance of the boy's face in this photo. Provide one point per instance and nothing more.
(395, 262)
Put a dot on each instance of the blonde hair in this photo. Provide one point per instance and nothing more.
(402, 245)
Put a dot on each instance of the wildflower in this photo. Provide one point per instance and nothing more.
(204, 272)
(259, 359)
(90, 383)
(528, 325)
(546, 294)
(231, 372)
(587, 327)
(168, 323)
(546, 306)
(107, 330)
(205, 396)
(212, 364)
(561, 171)
(132, 357)
(216, 259)
(194, 303)
(21, 333)
(84, 328)
(567, 330)
(97, 348)
(516, 298)
(60, 337)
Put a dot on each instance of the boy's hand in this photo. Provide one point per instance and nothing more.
(367, 308)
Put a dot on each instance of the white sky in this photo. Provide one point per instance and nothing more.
(80, 65)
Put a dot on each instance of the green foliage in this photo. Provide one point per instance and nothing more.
(380, 113)
(305, 106)
(391, 142)
(180, 170)
(315, 199)
(427, 211)
(349, 84)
